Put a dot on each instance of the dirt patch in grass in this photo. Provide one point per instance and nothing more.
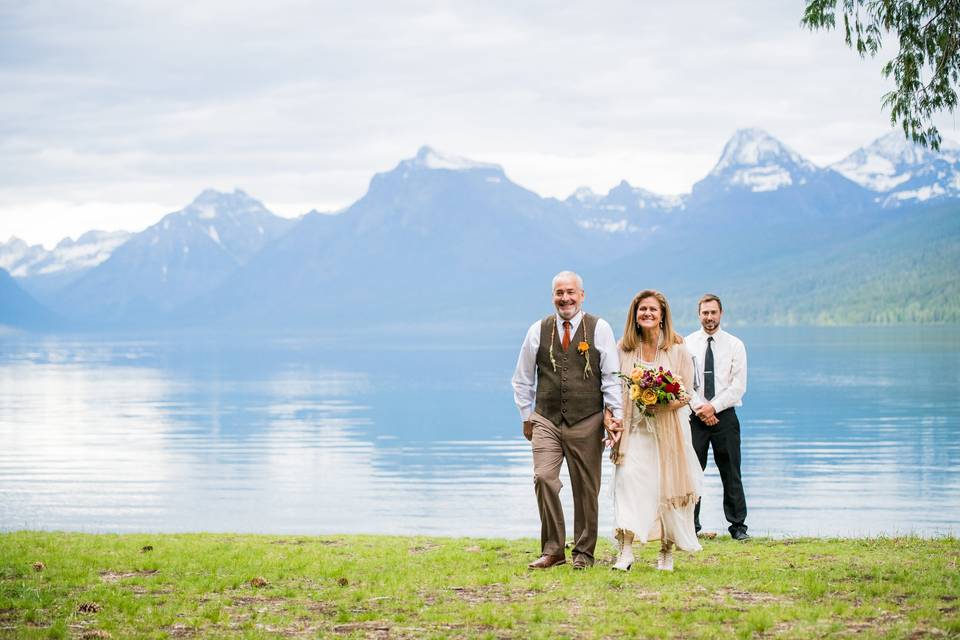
(927, 632)
(491, 593)
(376, 627)
(319, 607)
(243, 608)
(779, 630)
(242, 612)
(117, 576)
(486, 593)
(244, 605)
(747, 597)
(423, 548)
(180, 630)
(300, 629)
(373, 629)
(256, 600)
(478, 594)
(878, 624)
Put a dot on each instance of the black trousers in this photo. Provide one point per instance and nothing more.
(724, 437)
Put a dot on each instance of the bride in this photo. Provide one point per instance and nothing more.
(658, 478)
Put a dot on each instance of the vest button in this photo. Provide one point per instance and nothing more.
(564, 379)
(563, 410)
(564, 368)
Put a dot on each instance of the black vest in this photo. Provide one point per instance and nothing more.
(565, 395)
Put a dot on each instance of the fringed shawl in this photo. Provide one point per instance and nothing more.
(677, 488)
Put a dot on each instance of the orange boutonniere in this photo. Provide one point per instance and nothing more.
(584, 349)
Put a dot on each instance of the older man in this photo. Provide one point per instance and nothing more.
(564, 380)
(721, 362)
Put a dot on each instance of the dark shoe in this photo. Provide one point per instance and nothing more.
(740, 535)
(545, 562)
(580, 563)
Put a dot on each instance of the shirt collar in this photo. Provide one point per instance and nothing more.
(703, 335)
(574, 321)
(715, 335)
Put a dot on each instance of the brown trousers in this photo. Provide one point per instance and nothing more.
(582, 446)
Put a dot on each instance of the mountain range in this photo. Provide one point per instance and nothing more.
(446, 243)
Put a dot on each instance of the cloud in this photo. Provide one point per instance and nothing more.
(131, 102)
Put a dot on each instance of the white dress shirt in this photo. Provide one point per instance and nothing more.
(525, 378)
(729, 368)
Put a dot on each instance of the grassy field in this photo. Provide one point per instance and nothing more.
(247, 586)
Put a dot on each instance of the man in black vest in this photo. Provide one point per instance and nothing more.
(721, 363)
(565, 386)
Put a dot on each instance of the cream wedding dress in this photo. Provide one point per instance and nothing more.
(636, 488)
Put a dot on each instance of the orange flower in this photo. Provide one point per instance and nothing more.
(636, 374)
(583, 347)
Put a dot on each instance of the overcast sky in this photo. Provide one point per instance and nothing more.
(113, 113)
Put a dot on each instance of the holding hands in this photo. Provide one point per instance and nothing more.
(613, 427)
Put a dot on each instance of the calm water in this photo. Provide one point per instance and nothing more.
(845, 431)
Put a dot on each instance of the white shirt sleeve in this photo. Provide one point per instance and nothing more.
(731, 396)
(606, 344)
(525, 375)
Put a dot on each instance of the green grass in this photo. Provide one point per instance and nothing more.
(198, 585)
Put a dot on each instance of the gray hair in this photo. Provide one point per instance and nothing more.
(567, 274)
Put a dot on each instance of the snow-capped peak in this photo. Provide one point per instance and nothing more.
(211, 204)
(904, 171)
(895, 146)
(429, 158)
(756, 147)
(87, 251)
(584, 194)
(754, 159)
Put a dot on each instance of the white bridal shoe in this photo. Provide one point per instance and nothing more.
(665, 559)
(625, 559)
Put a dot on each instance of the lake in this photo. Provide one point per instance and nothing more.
(846, 431)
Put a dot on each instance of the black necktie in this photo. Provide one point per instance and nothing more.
(708, 389)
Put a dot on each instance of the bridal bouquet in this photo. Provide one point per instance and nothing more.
(654, 386)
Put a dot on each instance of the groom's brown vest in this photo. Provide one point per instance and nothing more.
(565, 395)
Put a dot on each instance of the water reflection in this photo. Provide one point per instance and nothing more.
(302, 436)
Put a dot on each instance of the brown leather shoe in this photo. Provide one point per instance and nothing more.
(580, 563)
(545, 562)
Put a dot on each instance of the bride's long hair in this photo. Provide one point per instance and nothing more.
(633, 333)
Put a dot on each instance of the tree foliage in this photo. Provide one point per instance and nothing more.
(926, 70)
